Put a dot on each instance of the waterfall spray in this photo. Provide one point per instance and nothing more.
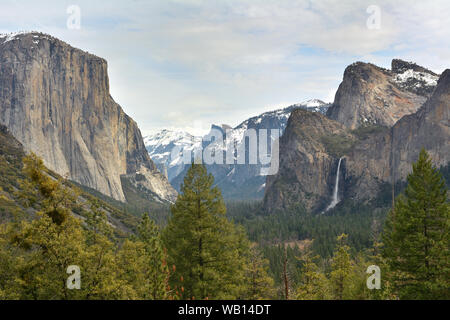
(335, 199)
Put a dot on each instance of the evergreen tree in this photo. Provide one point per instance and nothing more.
(96, 224)
(155, 271)
(202, 244)
(41, 247)
(313, 282)
(374, 257)
(55, 200)
(342, 270)
(47, 245)
(259, 284)
(101, 272)
(416, 236)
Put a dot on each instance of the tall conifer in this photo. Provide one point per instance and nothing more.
(417, 238)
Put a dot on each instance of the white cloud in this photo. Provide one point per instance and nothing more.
(172, 62)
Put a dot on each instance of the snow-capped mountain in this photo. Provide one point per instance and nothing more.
(414, 78)
(161, 145)
(237, 181)
(277, 119)
(314, 105)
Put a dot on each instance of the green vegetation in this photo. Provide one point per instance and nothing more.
(205, 252)
(295, 225)
(338, 145)
(362, 224)
(210, 254)
(11, 155)
(445, 171)
(318, 233)
(135, 206)
(35, 251)
(11, 176)
(417, 236)
(138, 201)
(363, 132)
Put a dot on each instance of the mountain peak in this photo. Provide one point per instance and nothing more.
(401, 66)
(366, 94)
(33, 36)
(312, 103)
(414, 78)
(31, 40)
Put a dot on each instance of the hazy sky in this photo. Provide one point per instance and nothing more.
(189, 63)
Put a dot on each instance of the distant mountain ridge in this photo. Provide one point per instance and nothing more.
(236, 181)
(55, 101)
(161, 144)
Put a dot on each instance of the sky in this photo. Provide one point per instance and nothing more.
(185, 64)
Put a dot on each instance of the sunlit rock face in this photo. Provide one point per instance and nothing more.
(55, 100)
(312, 144)
(370, 95)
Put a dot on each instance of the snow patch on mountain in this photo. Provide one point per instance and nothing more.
(161, 148)
(420, 79)
(162, 144)
(7, 37)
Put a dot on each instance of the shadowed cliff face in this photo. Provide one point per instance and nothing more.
(55, 100)
(312, 144)
(369, 95)
(307, 162)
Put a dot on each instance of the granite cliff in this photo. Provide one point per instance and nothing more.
(373, 153)
(306, 162)
(55, 100)
(388, 155)
(370, 95)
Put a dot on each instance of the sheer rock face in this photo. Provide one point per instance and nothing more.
(388, 156)
(55, 100)
(308, 167)
(371, 95)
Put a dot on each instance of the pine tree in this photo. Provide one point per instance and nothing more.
(156, 271)
(313, 283)
(202, 244)
(101, 272)
(342, 270)
(416, 236)
(41, 247)
(55, 200)
(96, 224)
(259, 284)
(47, 245)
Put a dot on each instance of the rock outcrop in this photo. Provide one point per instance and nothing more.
(370, 95)
(372, 155)
(387, 157)
(55, 100)
(307, 162)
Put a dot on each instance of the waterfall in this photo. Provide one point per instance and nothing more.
(335, 199)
